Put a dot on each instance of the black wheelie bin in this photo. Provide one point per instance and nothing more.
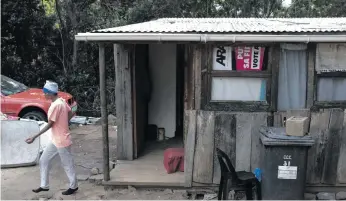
(283, 164)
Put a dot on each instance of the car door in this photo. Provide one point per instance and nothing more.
(3, 104)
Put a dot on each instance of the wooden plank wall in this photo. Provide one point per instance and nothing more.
(326, 128)
(327, 157)
(190, 133)
(237, 134)
(341, 170)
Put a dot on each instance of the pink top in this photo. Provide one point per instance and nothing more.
(58, 113)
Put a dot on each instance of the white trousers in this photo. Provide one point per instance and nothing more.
(50, 152)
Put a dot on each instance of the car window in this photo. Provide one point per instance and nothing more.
(9, 86)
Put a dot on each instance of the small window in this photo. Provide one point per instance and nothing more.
(239, 74)
(331, 74)
(331, 89)
(238, 89)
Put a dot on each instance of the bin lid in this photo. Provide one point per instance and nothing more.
(277, 136)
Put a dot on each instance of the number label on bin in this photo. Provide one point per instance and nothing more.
(287, 172)
(287, 163)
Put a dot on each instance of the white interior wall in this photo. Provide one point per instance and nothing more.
(162, 105)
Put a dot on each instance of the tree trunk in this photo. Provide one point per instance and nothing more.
(72, 11)
(61, 31)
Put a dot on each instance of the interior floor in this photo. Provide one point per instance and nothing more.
(148, 169)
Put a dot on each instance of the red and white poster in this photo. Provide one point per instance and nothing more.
(249, 58)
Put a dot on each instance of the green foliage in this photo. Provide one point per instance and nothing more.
(26, 41)
(317, 8)
(248, 8)
(49, 7)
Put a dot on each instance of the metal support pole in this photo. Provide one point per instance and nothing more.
(104, 112)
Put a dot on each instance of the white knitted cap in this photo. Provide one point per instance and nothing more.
(50, 87)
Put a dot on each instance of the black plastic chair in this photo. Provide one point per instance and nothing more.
(237, 181)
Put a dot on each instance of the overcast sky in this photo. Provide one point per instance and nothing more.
(286, 3)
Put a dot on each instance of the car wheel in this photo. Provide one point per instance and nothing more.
(35, 115)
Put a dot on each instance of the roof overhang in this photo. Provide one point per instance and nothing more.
(209, 37)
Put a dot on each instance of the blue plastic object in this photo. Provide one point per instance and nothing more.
(258, 174)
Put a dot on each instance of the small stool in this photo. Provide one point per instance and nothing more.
(173, 160)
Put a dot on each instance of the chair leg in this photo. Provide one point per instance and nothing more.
(225, 190)
(248, 191)
(219, 194)
(258, 190)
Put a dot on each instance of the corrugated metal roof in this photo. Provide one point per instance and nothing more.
(233, 25)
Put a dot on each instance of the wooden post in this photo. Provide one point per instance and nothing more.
(104, 112)
(310, 88)
(123, 102)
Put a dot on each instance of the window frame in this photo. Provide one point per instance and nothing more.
(317, 105)
(328, 104)
(269, 74)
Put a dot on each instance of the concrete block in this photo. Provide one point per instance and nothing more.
(309, 196)
(325, 196)
(15, 152)
(297, 126)
(341, 196)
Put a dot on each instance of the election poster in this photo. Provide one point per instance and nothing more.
(222, 58)
(249, 58)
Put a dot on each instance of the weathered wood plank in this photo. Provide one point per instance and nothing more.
(279, 118)
(225, 139)
(190, 90)
(332, 150)
(259, 120)
(197, 65)
(341, 171)
(243, 140)
(123, 103)
(227, 73)
(104, 112)
(190, 130)
(238, 106)
(310, 90)
(318, 128)
(274, 61)
(204, 151)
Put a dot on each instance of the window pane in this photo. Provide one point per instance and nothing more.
(331, 89)
(238, 89)
(292, 80)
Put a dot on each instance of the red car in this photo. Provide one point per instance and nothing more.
(24, 102)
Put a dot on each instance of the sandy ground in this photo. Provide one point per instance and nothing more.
(17, 183)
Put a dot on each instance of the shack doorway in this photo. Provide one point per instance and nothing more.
(157, 79)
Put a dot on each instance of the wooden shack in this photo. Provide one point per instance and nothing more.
(212, 83)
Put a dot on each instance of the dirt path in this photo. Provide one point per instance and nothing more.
(17, 183)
